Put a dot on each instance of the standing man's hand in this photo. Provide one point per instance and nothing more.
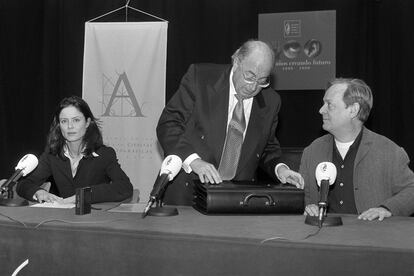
(206, 171)
(286, 175)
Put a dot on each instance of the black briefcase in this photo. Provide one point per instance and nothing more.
(244, 197)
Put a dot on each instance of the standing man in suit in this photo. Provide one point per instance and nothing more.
(373, 177)
(222, 121)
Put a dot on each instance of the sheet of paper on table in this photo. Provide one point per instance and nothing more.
(54, 205)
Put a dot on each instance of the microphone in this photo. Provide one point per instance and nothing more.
(325, 174)
(25, 166)
(170, 167)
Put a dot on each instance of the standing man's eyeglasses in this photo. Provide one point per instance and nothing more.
(252, 79)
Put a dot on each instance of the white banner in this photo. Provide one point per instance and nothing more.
(124, 84)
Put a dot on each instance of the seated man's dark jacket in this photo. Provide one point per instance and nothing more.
(102, 173)
(195, 121)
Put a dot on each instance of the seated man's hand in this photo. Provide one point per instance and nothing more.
(205, 171)
(288, 176)
(375, 213)
(42, 195)
(311, 210)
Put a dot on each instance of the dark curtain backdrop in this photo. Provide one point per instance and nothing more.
(41, 57)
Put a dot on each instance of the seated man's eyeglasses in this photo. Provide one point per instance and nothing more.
(250, 78)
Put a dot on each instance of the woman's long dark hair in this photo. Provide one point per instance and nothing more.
(93, 136)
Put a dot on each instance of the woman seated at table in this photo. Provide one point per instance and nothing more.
(75, 157)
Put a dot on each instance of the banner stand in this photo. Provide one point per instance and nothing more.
(126, 7)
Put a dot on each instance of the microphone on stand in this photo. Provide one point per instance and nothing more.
(325, 175)
(170, 167)
(25, 166)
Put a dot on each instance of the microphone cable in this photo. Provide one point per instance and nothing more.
(76, 222)
(312, 234)
(14, 220)
(59, 220)
(286, 239)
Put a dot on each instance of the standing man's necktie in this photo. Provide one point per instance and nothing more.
(234, 140)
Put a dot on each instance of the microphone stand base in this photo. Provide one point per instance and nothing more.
(163, 211)
(13, 202)
(327, 221)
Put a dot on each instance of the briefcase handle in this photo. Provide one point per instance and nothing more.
(245, 202)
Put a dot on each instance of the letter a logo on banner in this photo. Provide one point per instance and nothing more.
(124, 82)
(119, 94)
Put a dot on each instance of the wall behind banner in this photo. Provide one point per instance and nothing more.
(41, 58)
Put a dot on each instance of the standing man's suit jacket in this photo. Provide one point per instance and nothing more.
(195, 121)
(381, 173)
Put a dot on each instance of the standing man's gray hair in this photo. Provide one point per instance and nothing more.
(251, 45)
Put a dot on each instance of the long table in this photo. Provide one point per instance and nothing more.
(58, 242)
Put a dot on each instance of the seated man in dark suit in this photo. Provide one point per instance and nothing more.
(373, 178)
(222, 121)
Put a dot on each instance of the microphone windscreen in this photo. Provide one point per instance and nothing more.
(325, 171)
(171, 166)
(27, 164)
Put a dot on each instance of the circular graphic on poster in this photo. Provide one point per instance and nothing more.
(291, 49)
(312, 48)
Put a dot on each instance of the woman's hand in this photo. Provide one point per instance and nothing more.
(42, 195)
(70, 199)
